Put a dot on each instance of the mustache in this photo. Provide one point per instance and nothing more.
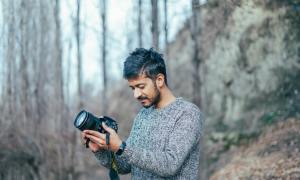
(142, 98)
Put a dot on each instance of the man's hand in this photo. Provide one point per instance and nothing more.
(98, 140)
(93, 145)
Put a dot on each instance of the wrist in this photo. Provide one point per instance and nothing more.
(121, 148)
(117, 147)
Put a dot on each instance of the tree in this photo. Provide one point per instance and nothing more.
(196, 60)
(140, 31)
(58, 65)
(103, 50)
(9, 55)
(74, 136)
(79, 59)
(166, 27)
(24, 63)
(154, 27)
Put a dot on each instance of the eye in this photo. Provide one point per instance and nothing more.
(141, 87)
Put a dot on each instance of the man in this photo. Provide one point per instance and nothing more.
(164, 142)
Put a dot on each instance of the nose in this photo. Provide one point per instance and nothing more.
(137, 93)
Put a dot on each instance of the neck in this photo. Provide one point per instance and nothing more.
(166, 98)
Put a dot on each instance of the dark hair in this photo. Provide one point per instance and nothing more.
(143, 61)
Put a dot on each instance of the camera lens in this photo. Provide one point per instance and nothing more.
(85, 120)
(79, 121)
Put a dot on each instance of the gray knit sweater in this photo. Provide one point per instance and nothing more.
(163, 144)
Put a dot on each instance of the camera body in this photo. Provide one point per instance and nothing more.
(87, 121)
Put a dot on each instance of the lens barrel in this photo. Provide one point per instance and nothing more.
(85, 120)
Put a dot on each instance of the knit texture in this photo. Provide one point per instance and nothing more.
(163, 143)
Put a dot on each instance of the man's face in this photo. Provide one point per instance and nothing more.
(145, 90)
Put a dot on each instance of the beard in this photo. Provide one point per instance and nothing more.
(155, 99)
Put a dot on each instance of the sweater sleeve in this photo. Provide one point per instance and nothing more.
(185, 135)
(105, 160)
(103, 157)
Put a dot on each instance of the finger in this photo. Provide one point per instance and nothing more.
(96, 140)
(103, 146)
(83, 136)
(106, 128)
(84, 141)
(100, 144)
(99, 135)
(91, 132)
(96, 147)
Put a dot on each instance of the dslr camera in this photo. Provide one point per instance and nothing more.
(87, 121)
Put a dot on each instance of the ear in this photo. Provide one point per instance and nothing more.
(160, 80)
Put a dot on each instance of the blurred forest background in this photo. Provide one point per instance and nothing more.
(238, 60)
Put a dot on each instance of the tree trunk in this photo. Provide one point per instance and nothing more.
(24, 94)
(58, 68)
(79, 63)
(166, 34)
(59, 91)
(104, 73)
(140, 31)
(196, 60)
(154, 27)
(68, 78)
(75, 136)
(166, 26)
(10, 57)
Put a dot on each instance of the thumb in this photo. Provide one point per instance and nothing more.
(106, 128)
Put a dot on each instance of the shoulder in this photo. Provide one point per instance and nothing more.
(190, 117)
(187, 107)
(189, 112)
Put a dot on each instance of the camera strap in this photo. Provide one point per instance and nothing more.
(87, 143)
(107, 135)
(113, 172)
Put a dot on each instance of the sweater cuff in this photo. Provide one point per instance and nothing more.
(103, 156)
(127, 154)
